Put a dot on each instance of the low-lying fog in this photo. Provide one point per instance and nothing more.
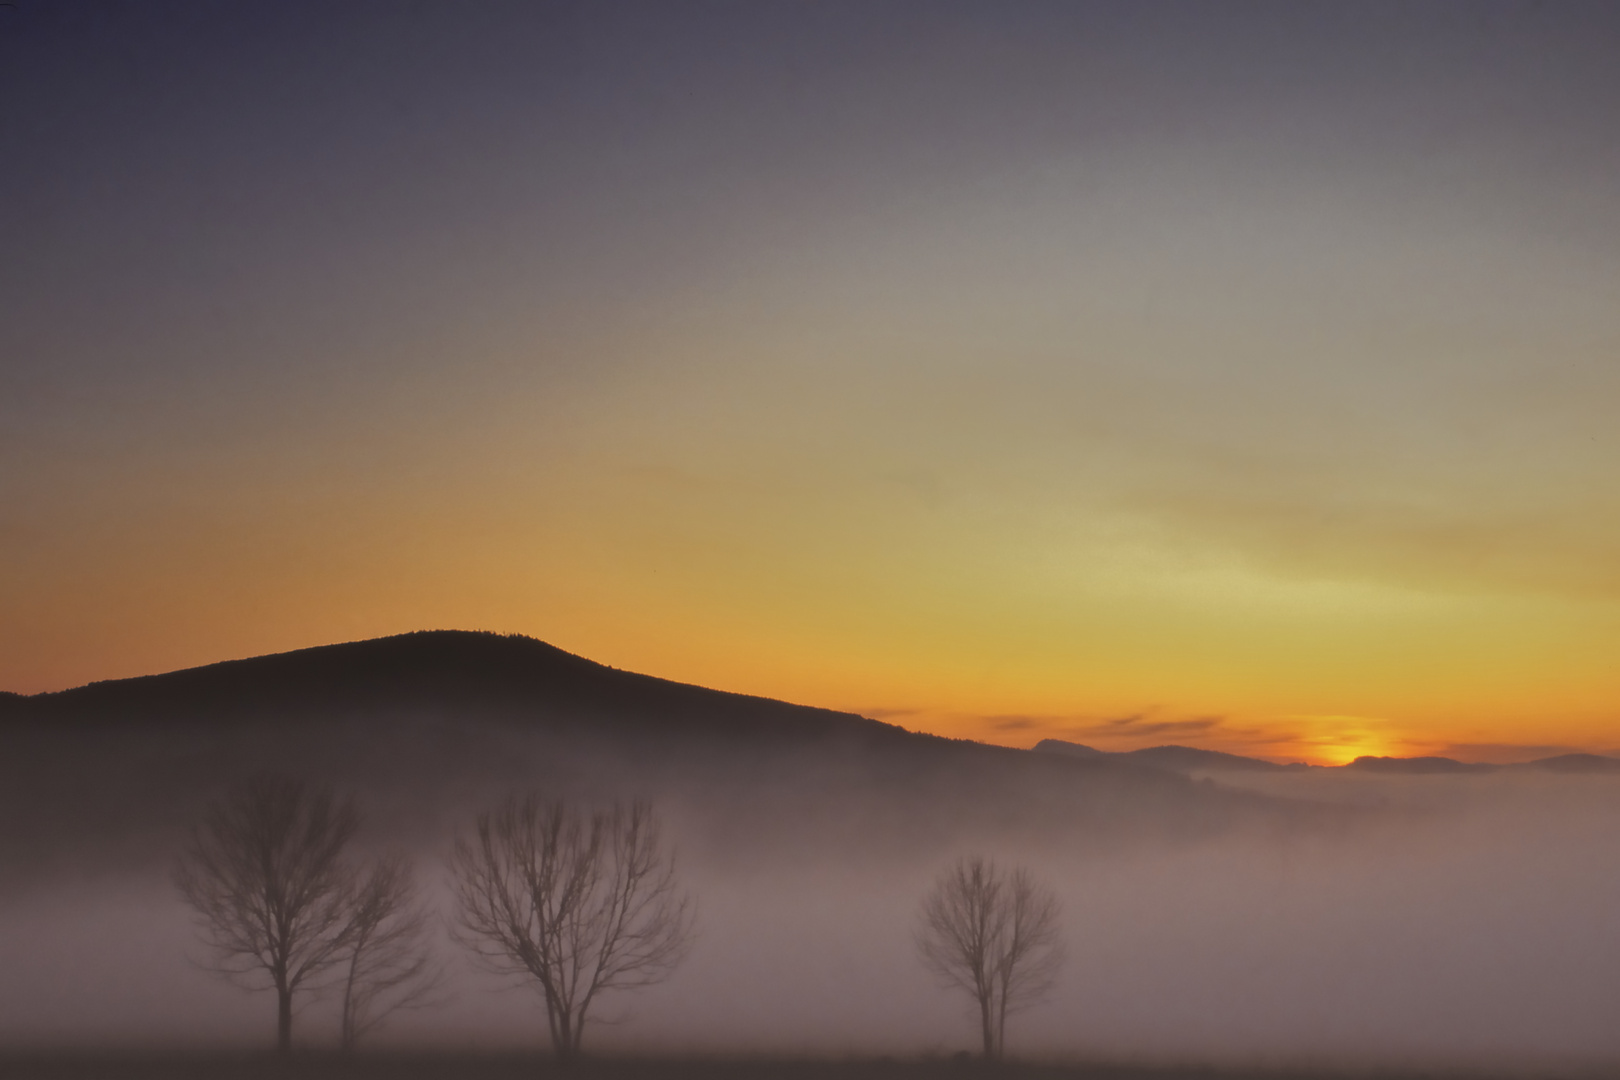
(1457, 920)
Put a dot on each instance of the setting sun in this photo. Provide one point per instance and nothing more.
(1339, 740)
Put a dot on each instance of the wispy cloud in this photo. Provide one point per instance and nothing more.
(1139, 726)
(1150, 726)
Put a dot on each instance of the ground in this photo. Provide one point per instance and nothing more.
(322, 1066)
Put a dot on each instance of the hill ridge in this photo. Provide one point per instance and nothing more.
(1188, 759)
(418, 671)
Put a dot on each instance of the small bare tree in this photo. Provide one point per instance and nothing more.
(265, 875)
(388, 964)
(582, 904)
(995, 935)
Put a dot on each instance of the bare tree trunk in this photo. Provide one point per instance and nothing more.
(993, 935)
(283, 1019)
(1001, 1023)
(266, 876)
(581, 903)
(989, 1029)
(567, 1037)
(386, 952)
(579, 1032)
(348, 1032)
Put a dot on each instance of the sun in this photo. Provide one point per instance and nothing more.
(1339, 740)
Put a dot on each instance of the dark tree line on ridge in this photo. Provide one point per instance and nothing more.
(580, 903)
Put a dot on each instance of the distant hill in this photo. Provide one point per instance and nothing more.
(1179, 759)
(1071, 749)
(436, 725)
(428, 728)
(1431, 766)
(1576, 763)
(440, 671)
(1424, 766)
(1187, 759)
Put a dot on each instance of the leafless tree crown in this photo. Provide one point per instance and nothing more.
(388, 964)
(995, 935)
(265, 875)
(580, 903)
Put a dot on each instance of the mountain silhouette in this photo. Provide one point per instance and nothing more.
(450, 672)
(1416, 766)
(1072, 749)
(435, 725)
(1187, 759)
(1576, 763)
(1184, 758)
(1430, 766)
(1179, 759)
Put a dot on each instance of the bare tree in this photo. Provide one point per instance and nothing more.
(264, 874)
(582, 904)
(995, 935)
(388, 964)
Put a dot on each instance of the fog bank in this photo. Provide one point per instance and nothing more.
(1446, 921)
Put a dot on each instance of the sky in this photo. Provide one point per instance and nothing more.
(1236, 375)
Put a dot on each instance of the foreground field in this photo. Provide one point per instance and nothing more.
(73, 1066)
